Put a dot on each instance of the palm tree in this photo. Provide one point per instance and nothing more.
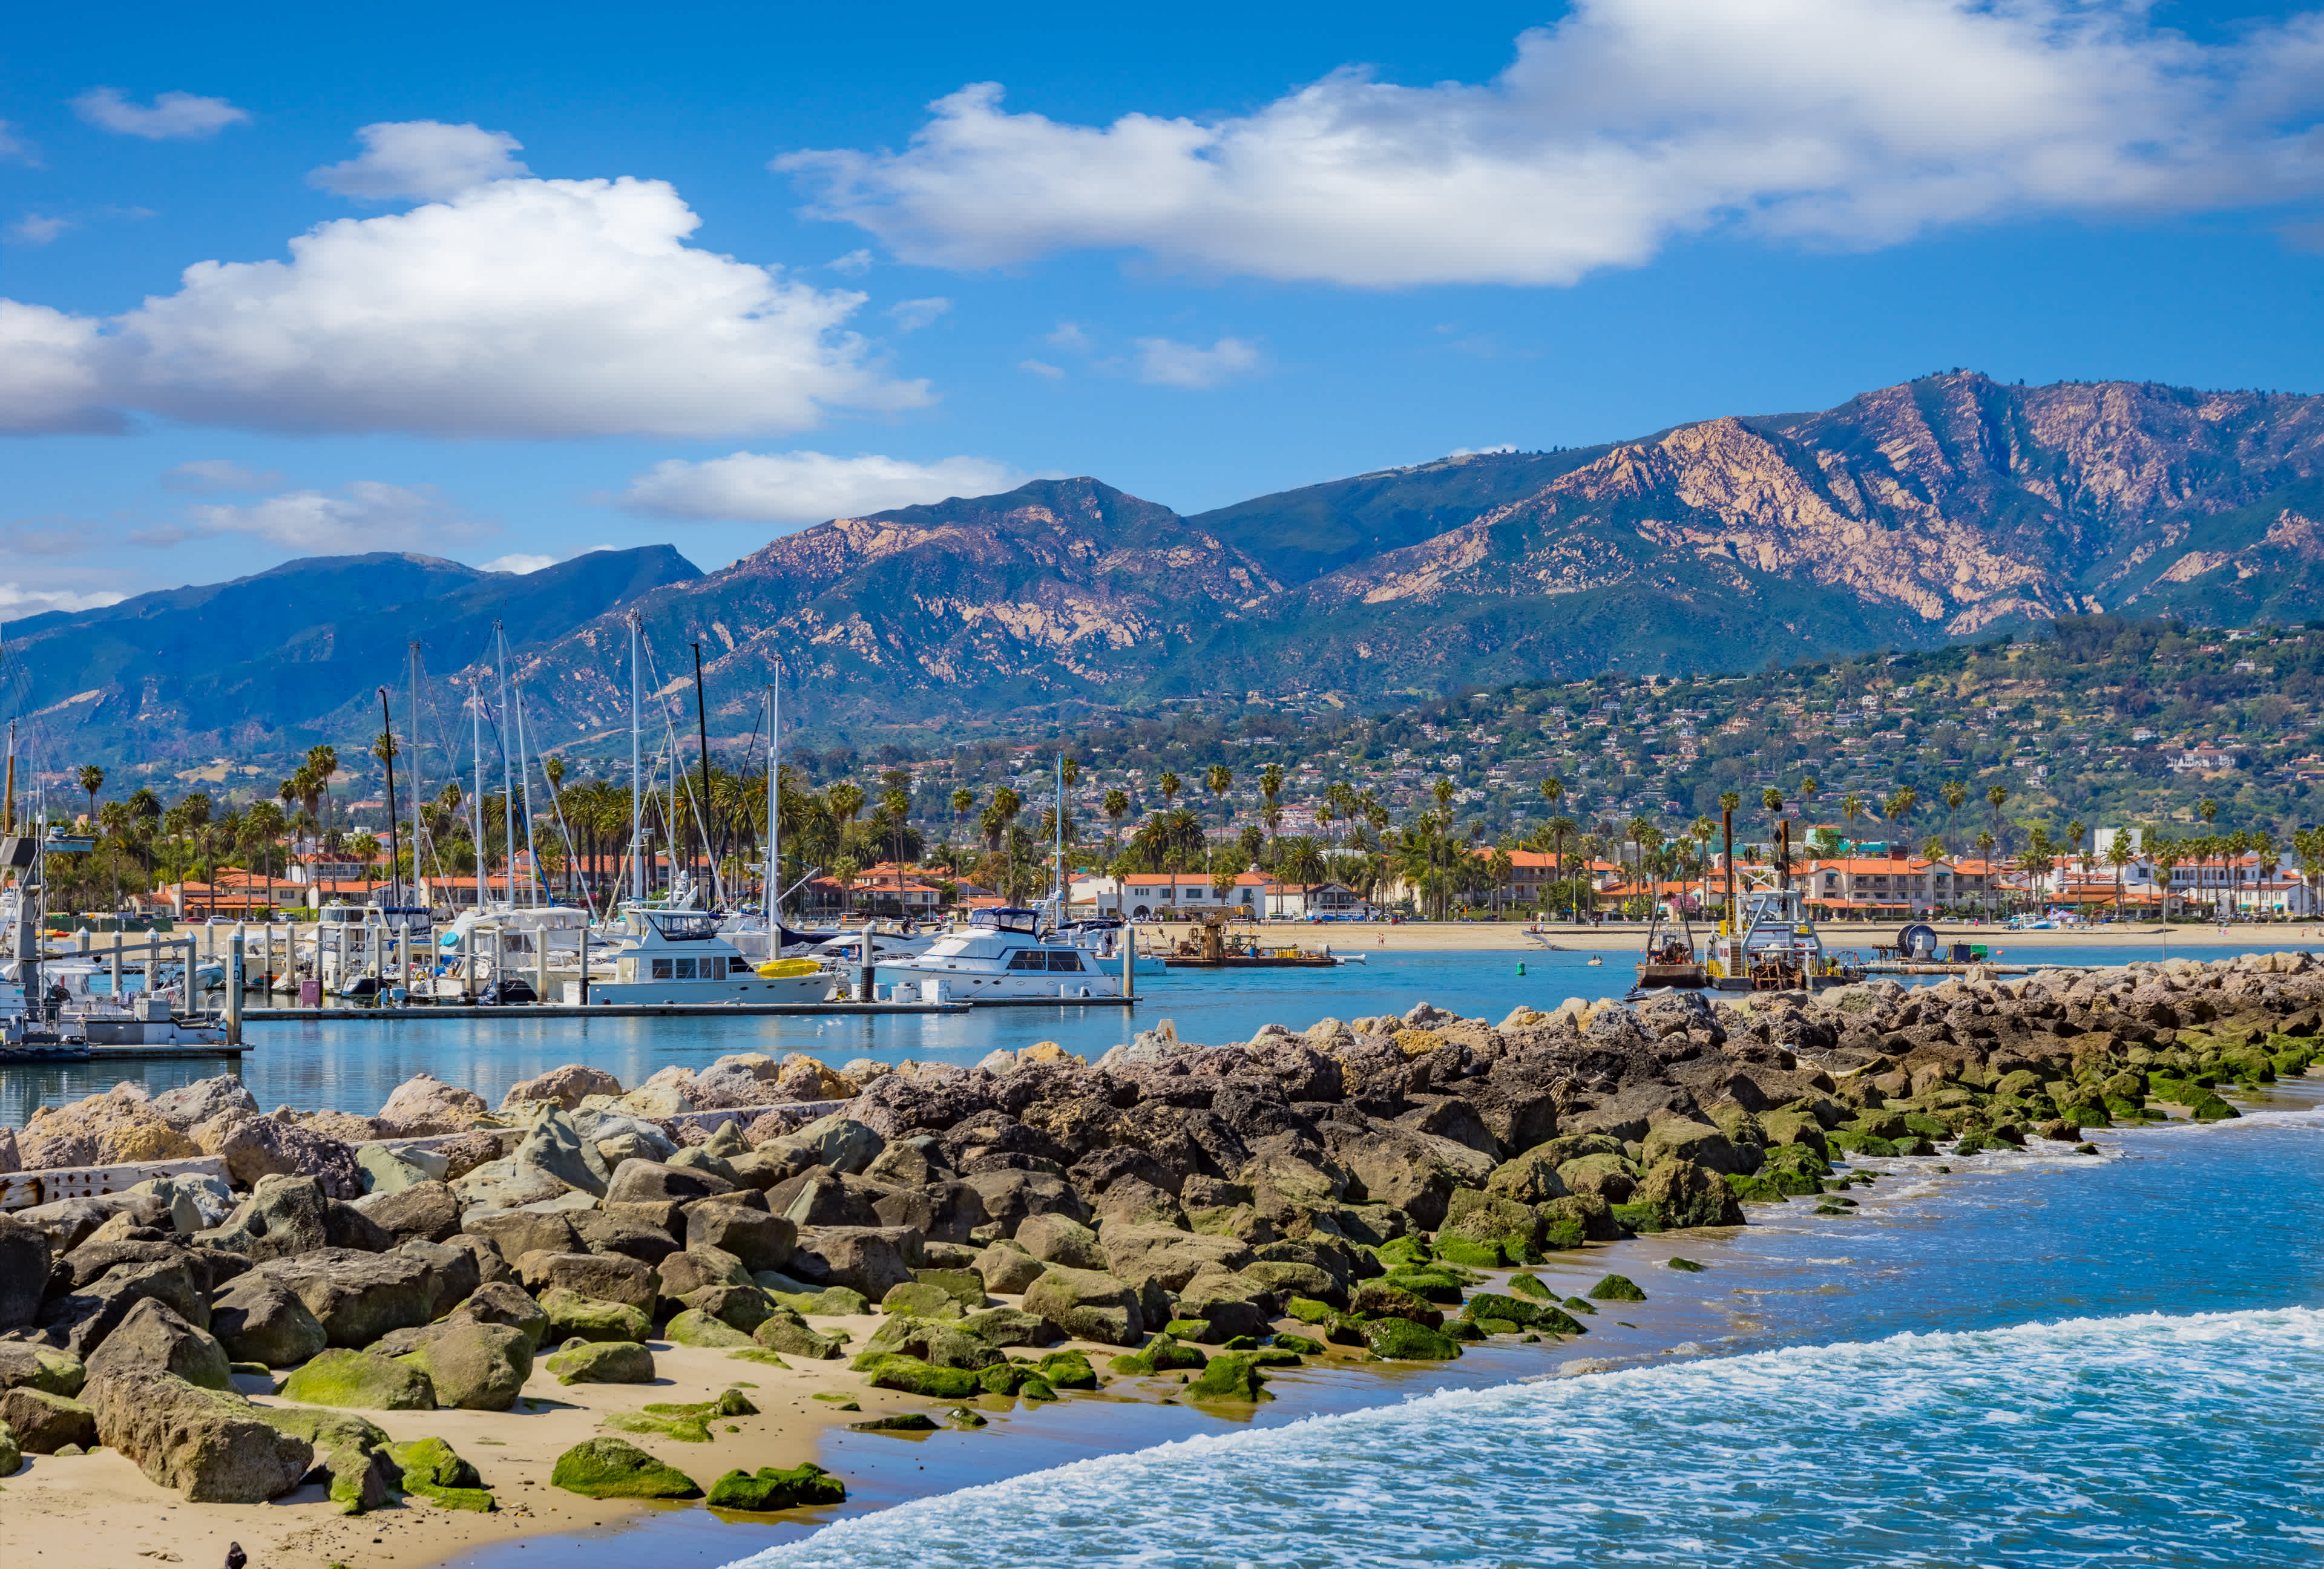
(1703, 832)
(1900, 808)
(322, 763)
(1996, 797)
(1218, 778)
(1171, 784)
(1552, 790)
(2264, 848)
(964, 801)
(1117, 806)
(92, 780)
(2118, 856)
(1851, 806)
(2209, 811)
(1954, 793)
(1558, 828)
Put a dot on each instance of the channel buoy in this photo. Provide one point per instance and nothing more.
(1520, 967)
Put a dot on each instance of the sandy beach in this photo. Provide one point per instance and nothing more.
(1485, 936)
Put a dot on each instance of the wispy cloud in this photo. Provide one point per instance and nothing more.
(422, 158)
(14, 148)
(17, 599)
(1163, 362)
(217, 474)
(807, 487)
(171, 117)
(912, 315)
(1042, 368)
(365, 515)
(39, 228)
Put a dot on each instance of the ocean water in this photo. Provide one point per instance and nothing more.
(353, 1065)
(2032, 1359)
(2145, 1439)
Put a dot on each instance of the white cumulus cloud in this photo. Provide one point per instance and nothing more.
(39, 228)
(367, 515)
(171, 117)
(518, 563)
(1163, 362)
(1848, 123)
(422, 158)
(807, 487)
(520, 308)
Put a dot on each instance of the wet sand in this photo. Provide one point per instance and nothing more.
(1483, 936)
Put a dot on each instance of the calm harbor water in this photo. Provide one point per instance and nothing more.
(2035, 1361)
(353, 1065)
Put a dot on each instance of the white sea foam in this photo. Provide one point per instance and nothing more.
(2147, 1439)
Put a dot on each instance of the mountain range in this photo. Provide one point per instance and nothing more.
(1949, 506)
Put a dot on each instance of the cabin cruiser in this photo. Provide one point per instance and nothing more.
(1002, 954)
(677, 955)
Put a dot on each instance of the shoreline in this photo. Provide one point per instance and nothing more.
(105, 1508)
(1517, 936)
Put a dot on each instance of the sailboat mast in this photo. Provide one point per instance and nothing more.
(508, 781)
(1057, 872)
(387, 756)
(477, 797)
(417, 827)
(774, 812)
(524, 777)
(702, 739)
(637, 778)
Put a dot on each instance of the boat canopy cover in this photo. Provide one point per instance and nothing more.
(1007, 920)
(684, 926)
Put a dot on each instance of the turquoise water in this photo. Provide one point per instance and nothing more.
(2031, 1360)
(352, 1066)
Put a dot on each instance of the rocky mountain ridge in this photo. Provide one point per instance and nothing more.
(1945, 507)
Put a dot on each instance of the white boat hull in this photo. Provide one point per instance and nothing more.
(735, 989)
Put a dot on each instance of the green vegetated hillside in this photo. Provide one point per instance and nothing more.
(1912, 517)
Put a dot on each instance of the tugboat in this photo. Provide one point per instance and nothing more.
(1776, 949)
(1212, 947)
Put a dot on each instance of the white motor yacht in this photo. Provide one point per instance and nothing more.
(1002, 954)
(678, 957)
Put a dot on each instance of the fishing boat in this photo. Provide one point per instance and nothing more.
(1004, 955)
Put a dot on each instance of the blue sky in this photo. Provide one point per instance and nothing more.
(578, 276)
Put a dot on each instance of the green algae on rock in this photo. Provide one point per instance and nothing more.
(607, 1468)
(361, 1380)
(768, 1489)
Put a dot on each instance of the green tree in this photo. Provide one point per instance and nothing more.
(92, 780)
(1954, 793)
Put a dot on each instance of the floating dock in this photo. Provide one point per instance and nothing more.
(599, 1011)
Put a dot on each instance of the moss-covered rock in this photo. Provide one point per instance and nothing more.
(433, 1471)
(1299, 1346)
(965, 1286)
(1617, 1288)
(573, 1316)
(359, 1380)
(831, 1302)
(1687, 1266)
(695, 1327)
(1398, 1252)
(474, 1366)
(352, 1449)
(1230, 1378)
(889, 1371)
(1067, 1369)
(767, 1490)
(756, 1354)
(1381, 1299)
(897, 1422)
(787, 1331)
(1402, 1340)
(1004, 1377)
(1008, 1326)
(1307, 1310)
(1430, 1284)
(1862, 1143)
(1531, 1286)
(920, 1299)
(2209, 1108)
(933, 1341)
(1469, 1251)
(604, 1361)
(608, 1468)
(1520, 1314)
(1756, 1188)
(1036, 1388)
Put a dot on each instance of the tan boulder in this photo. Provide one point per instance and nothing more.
(566, 1086)
(427, 1104)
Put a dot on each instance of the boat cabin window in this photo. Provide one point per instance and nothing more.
(662, 968)
(1029, 959)
(1064, 959)
(1008, 920)
(684, 925)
